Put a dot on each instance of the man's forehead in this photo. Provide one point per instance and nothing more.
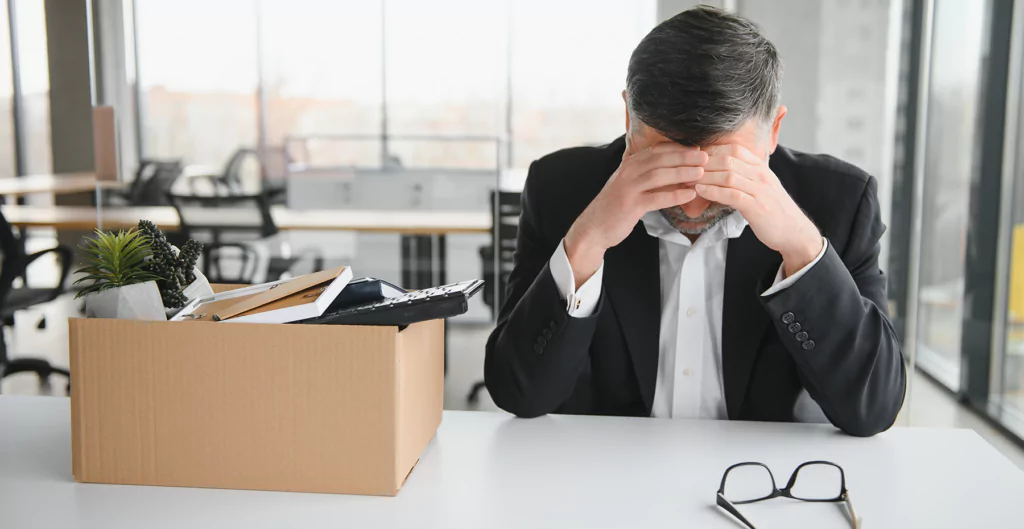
(749, 136)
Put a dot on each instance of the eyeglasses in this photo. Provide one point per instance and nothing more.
(820, 481)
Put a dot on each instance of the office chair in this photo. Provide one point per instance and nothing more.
(243, 226)
(273, 168)
(153, 180)
(15, 264)
(505, 219)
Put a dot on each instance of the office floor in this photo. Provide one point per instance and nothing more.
(928, 405)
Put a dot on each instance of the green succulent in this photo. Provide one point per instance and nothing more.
(115, 260)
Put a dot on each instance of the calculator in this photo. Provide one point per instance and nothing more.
(419, 305)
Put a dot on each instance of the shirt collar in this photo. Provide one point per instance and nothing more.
(729, 228)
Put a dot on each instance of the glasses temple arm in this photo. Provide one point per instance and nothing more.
(854, 519)
(728, 506)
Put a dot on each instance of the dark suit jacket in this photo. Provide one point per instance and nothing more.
(540, 360)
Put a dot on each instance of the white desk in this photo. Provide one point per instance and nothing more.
(488, 470)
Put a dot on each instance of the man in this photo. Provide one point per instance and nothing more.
(678, 272)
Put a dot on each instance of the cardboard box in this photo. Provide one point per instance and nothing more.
(311, 408)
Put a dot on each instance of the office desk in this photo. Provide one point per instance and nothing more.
(58, 184)
(382, 221)
(490, 470)
(432, 224)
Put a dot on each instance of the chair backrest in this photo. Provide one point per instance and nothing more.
(231, 178)
(505, 216)
(273, 164)
(505, 209)
(231, 218)
(153, 181)
(12, 262)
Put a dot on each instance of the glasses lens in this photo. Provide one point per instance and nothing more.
(818, 482)
(748, 483)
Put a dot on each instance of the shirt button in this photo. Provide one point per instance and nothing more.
(691, 312)
(686, 372)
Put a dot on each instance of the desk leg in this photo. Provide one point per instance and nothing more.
(407, 264)
(442, 278)
(442, 259)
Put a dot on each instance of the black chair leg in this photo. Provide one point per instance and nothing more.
(40, 367)
(474, 394)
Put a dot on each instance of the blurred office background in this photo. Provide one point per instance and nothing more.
(405, 107)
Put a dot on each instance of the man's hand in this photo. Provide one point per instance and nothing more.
(738, 178)
(652, 179)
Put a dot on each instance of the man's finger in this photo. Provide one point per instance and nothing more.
(668, 158)
(736, 151)
(725, 162)
(728, 196)
(660, 148)
(667, 176)
(667, 197)
(731, 179)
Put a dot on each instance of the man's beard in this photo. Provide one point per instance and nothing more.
(678, 218)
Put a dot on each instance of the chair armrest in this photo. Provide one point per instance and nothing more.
(64, 257)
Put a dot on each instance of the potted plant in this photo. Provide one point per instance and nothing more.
(121, 285)
(138, 274)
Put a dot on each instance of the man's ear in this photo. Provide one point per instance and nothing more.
(773, 140)
(626, 105)
(629, 125)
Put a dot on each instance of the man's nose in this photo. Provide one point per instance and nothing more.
(696, 206)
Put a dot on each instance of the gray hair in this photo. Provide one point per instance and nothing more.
(701, 75)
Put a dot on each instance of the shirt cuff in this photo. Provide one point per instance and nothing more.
(782, 282)
(579, 303)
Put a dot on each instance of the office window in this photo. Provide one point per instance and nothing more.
(949, 160)
(321, 75)
(198, 77)
(1010, 379)
(7, 139)
(34, 73)
(446, 71)
(568, 70)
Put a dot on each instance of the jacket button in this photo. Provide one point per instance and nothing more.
(537, 348)
(788, 318)
(808, 345)
(794, 327)
(541, 341)
(801, 336)
(547, 334)
(552, 325)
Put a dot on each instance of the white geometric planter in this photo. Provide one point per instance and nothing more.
(132, 302)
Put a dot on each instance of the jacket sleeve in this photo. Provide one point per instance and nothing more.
(537, 351)
(835, 323)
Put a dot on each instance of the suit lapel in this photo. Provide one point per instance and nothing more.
(632, 281)
(744, 320)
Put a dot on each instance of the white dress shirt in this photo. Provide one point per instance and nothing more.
(689, 383)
